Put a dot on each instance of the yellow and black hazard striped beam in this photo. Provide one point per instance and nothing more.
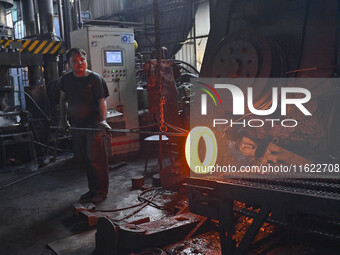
(36, 46)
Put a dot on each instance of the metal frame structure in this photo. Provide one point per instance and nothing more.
(282, 198)
(146, 30)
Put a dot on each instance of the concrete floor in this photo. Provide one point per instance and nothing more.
(38, 210)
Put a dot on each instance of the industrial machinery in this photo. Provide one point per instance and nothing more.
(266, 39)
(111, 54)
(37, 50)
(310, 206)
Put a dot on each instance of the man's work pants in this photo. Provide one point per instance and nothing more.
(90, 150)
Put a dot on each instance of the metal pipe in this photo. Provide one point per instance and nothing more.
(80, 22)
(61, 21)
(46, 18)
(30, 20)
(74, 16)
(27, 9)
(35, 76)
(50, 68)
(2, 14)
(67, 26)
(36, 16)
(45, 8)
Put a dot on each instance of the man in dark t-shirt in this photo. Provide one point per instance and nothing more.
(83, 93)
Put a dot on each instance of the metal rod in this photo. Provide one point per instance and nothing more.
(6, 114)
(160, 156)
(113, 22)
(114, 130)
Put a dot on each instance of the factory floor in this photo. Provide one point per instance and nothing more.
(38, 211)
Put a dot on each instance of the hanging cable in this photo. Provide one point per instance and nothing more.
(176, 61)
(33, 101)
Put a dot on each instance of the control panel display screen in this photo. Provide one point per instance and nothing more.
(113, 57)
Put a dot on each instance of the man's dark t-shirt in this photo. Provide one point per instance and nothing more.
(83, 94)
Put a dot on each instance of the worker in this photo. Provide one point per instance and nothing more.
(83, 94)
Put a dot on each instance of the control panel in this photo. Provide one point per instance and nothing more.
(115, 74)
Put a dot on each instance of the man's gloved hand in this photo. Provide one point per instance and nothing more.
(104, 125)
(63, 126)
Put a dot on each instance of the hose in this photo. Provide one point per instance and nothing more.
(182, 62)
(33, 101)
(146, 202)
(139, 209)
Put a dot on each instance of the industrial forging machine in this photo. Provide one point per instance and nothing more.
(37, 50)
(111, 54)
(270, 39)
